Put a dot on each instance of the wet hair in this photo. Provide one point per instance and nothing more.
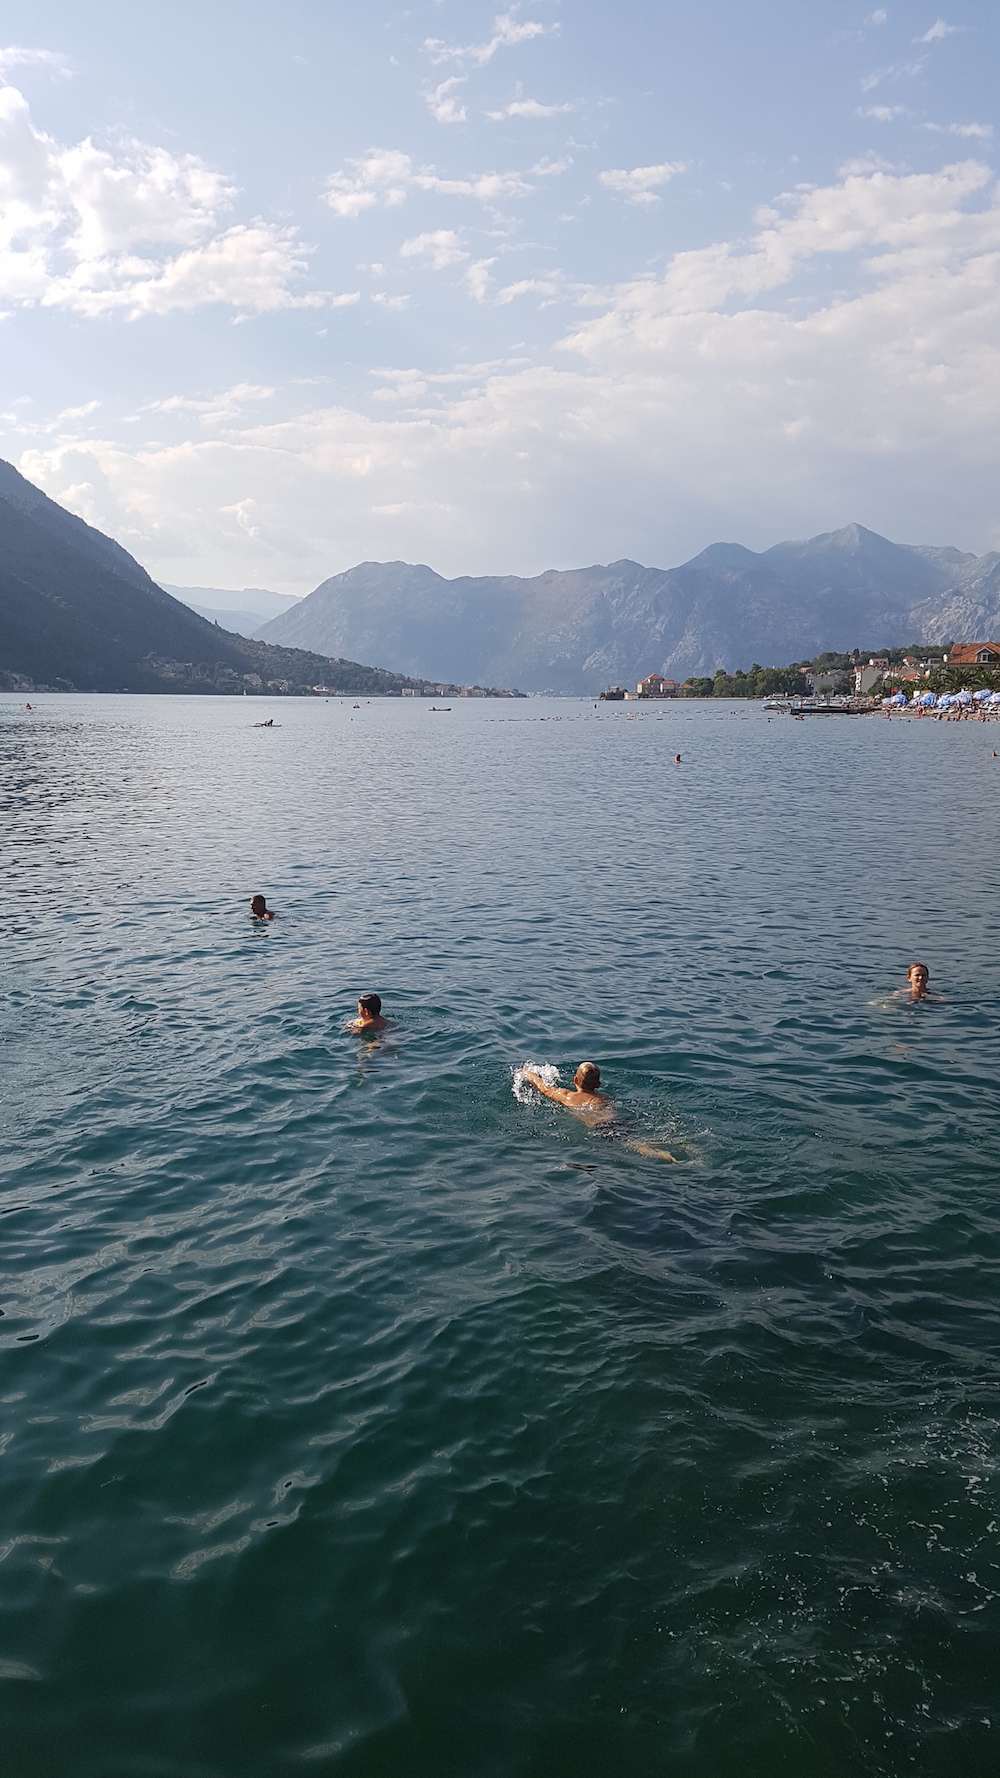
(922, 966)
(588, 1077)
(370, 1003)
(258, 904)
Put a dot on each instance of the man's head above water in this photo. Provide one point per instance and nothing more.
(587, 1078)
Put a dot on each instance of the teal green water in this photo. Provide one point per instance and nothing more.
(350, 1425)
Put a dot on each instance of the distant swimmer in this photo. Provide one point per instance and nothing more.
(677, 759)
(370, 1015)
(259, 908)
(596, 1109)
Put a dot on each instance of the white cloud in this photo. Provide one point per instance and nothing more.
(981, 131)
(680, 409)
(938, 30)
(885, 113)
(477, 279)
(526, 287)
(639, 185)
(96, 232)
(215, 410)
(441, 248)
(489, 188)
(895, 71)
(383, 177)
(878, 17)
(15, 56)
(507, 32)
(443, 104)
(546, 169)
(528, 108)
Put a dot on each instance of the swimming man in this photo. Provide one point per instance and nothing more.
(259, 908)
(595, 1108)
(370, 1015)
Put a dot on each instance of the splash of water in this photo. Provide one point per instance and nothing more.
(522, 1089)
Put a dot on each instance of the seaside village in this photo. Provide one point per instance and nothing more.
(958, 680)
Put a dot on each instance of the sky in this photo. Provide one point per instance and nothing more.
(286, 288)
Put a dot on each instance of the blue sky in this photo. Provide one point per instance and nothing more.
(285, 288)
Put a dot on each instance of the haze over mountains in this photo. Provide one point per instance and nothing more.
(243, 612)
(579, 630)
(77, 612)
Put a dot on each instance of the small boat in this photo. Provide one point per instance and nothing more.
(441, 709)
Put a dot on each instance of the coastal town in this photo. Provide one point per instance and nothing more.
(958, 678)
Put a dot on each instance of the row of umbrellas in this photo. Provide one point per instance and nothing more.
(948, 699)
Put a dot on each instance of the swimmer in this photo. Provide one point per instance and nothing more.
(677, 759)
(596, 1109)
(370, 1015)
(259, 909)
(917, 977)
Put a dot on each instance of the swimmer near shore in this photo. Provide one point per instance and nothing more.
(259, 909)
(370, 1015)
(594, 1108)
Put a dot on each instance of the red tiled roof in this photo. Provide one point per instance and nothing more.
(965, 654)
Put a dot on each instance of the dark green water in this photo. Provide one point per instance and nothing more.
(349, 1426)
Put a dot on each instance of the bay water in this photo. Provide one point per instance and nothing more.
(359, 1418)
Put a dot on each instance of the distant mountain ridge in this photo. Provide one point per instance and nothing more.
(244, 612)
(579, 630)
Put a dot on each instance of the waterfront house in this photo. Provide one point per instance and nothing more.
(973, 654)
(655, 686)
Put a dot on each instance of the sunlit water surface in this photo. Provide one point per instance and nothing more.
(360, 1419)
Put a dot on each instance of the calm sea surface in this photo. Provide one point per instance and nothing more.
(359, 1419)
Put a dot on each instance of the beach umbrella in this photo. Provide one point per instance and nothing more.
(995, 697)
(963, 696)
(980, 695)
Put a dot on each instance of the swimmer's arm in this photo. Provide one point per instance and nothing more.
(559, 1094)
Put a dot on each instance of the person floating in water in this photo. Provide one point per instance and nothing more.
(259, 908)
(917, 977)
(596, 1109)
(370, 1015)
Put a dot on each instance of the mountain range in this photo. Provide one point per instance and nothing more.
(579, 630)
(78, 613)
